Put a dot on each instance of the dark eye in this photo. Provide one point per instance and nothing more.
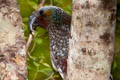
(41, 12)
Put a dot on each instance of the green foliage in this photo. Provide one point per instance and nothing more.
(39, 64)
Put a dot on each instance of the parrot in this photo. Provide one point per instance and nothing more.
(57, 22)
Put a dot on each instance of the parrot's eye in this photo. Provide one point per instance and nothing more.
(41, 12)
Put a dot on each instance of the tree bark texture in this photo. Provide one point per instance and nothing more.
(12, 43)
(91, 46)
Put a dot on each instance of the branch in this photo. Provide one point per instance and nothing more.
(42, 3)
(30, 38)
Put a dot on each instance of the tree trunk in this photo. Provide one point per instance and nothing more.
(12, 43)
(91, 46)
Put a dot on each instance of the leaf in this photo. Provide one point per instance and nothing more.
(38, 41)
(36, 64)
(33, 4)
(45, 64)
(46, 71)
(115, 65)
(29, 67)
(25, 19)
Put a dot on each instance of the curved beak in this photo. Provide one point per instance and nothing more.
(33, 23)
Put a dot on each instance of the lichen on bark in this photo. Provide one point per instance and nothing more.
(91, 47)
(12, 43)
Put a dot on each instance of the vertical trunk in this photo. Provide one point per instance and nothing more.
(91, 46)
(12, 44)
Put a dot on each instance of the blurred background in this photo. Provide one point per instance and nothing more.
(39, 64)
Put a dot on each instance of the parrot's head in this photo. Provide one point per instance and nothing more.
(42, 17)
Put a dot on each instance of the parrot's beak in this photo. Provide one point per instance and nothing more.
(33, 23)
